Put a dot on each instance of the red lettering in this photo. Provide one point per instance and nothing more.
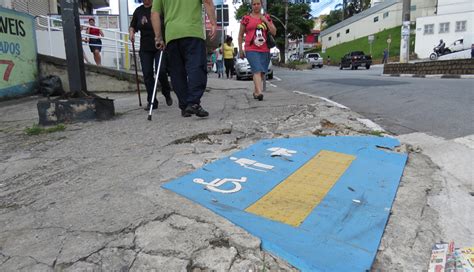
(9, 69)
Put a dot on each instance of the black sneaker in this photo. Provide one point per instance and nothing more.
(155, 106)
(185, 114)
(196, 109)
(169, 100)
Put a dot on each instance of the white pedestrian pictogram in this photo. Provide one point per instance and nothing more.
(280, 151)
(213, 185)
(252, 164)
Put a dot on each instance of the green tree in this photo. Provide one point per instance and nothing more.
(347, 9)
(299, 20)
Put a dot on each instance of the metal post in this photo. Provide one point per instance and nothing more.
(123, 18)
(73, 45)
(49, 35)
(405, 37)
(117, 51)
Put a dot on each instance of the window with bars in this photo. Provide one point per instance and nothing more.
(429, 29)
(460, 26)
(385, 14)
(443, 27)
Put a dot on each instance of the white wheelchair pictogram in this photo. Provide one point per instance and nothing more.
(213, 185)
(252, 164)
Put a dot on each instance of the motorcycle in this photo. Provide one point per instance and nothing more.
(438, 52)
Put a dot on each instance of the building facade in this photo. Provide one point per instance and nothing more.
(383, 15)
(454, 20)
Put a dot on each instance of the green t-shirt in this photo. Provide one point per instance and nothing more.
(183, 18)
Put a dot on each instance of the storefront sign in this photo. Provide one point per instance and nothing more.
(18, 53)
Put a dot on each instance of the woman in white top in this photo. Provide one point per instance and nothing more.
(219, 61)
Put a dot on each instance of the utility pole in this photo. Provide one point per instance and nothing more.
(405, 37)
(72, 43)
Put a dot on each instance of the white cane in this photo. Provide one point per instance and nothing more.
(154, 88)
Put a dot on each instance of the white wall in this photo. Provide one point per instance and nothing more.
(365, 26)
(425, 42)
(423, 8)
(56, 47)
(454, 6)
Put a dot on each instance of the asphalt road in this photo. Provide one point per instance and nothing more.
(439, 107)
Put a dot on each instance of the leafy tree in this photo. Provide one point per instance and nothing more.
(347, 9)
(299, 20)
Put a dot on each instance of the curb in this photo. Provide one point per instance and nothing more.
(430, 76)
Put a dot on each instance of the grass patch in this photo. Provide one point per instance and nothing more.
(36, 129)
(379, 44)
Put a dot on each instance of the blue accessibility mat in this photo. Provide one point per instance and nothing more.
(321, 203)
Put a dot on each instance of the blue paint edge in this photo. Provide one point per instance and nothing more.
(18, 90)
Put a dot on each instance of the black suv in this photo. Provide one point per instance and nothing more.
(355, 59)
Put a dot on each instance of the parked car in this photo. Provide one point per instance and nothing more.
(242, 69)
(293, 57)
(314, 59)
(355, 59)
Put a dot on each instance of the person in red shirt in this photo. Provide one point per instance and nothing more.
(255, 27)
(95, 44)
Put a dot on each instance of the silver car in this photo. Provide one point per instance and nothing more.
(314, 59)
(242, 69)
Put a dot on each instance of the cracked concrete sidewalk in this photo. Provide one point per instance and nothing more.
(89, 198)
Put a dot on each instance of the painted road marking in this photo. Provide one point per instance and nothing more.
(293, 199)
(279, 151)
(323, 98)
(349, 221)
(252, 164)
(213, 185)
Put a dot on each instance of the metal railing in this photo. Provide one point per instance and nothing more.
(118, 42)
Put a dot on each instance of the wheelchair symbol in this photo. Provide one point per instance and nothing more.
(213, 185)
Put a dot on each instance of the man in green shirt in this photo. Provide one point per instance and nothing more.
(186, 46)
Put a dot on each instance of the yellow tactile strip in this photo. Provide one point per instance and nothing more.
(292, 200)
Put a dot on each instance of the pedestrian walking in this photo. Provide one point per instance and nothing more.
(228, 51)
(149, 54)
(219, 61)
(95, 43)
(255, 26)
(186, 46)
(385, 56)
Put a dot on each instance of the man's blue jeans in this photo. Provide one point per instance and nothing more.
(148, 59)
(188, 69)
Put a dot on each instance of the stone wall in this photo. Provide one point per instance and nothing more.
(98, 78)
(442, 67)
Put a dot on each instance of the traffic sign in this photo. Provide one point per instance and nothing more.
(321, 203)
